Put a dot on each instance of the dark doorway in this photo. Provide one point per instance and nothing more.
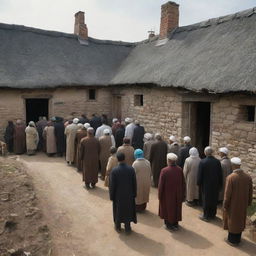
(36, 108)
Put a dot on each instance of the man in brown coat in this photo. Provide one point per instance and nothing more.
(89, 154)
(237, 197)
(128, 151)
(19, 138)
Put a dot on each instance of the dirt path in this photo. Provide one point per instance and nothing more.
(81, 220)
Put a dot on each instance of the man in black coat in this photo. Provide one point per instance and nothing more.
(123, 190)
(60, 136)
(119, 135)
(138, 136)
(184, 152)
(209, 179)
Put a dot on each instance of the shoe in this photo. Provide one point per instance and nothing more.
(118, 228)
(229, 243)
(203, 218)
(190, 204)
(87, 186)
(93, 185)
(128, 229)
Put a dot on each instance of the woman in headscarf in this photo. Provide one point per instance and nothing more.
(190, 171)
(32, 138)
(143, 175)
(49, 136)
(8, 136)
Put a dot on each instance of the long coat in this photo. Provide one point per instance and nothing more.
(157, 159)
(171, 193)
(89, 153)
(237, 197)
(174, 148)
(70, 132)
(143, 176)
(190, 171)
(19, 139)
(105, 145)
(147, 147)
(128, 152)
(119, 136)
(226, 170)
(138, 136)
(122, 190)
(40, 125)
(49, 135)
(8, 136)
(112, 163)
(32, 138)
(183, 155)
(59, 130)
(80, 134)
(209, 178)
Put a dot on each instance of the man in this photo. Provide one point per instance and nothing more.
(49, 136)
(209, 179)
(148, 142)
(89, 155)
(190, 171)
(105, 145)
(59, 130)
(8, 136)
(19, 138)
(138, 136)
(157, 157)
(40, 125)
(100, 130)
(226, 169)
(32, 138)
(128, 151)
(115, 125)
(119, 135)
(70, 132)
(95, 122)
(171, 193)
(83, 119)
(184, 151)
(122, 190)
(129, 129)
(143, 176)
(173, 146)
(237, 197)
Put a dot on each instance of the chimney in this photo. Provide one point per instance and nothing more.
(169, 18)
(80, 28)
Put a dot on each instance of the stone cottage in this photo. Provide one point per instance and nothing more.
(197, 80)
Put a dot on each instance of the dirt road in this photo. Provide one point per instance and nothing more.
(81, 221)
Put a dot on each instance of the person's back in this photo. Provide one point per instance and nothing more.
(138, 135)
(119, 136)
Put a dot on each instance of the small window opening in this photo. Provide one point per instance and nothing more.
(138, 100)
(92, 94)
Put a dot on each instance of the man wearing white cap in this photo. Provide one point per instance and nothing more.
(129, 129)
(237, 197)
(184, 151)
(70, 132)
(100, 130)
(148, 142)
(173, 146)
(171, 193)
(226, 168)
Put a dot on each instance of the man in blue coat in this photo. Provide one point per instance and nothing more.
(123, 190)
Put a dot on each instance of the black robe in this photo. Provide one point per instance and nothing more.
(60, 137)
(119, 136)
(8, 137)
(209, 179)
(138, 136)
(123, 191)
(183, 155)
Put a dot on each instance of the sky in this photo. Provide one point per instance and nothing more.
(124, 20)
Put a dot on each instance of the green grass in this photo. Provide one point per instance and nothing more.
(252, 208)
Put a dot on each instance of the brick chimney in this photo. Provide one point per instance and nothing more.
(169, 18)
(80, 28)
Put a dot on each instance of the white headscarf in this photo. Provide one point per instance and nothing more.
(193, 152)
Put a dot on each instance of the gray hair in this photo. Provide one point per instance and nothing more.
(208, 151)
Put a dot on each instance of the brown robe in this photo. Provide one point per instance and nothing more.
(157, 159)
(128, 152)
(105, 145)
(70, 132)
(171, 193)
(237, 197)
(147, 147)
(80, 134)
(226, 170)
(19, 139)
(89, 153)
(112, 163)
(49, 136)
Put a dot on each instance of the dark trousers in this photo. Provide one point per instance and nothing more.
(170, 225)
(210, 212)
(127, 225)
(234, 238)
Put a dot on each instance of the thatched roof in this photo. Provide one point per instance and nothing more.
(218, 55)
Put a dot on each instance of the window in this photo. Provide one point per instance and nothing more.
(138, 100)
(92, 94)
(247, 113)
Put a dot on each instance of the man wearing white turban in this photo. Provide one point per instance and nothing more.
(129, 129)
(237, 198)
(171, 193)
(100, 130)
(226, 169)
(190, 171)
(173, 146)
(148, 142)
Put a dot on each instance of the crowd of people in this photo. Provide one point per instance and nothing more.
(130, 161)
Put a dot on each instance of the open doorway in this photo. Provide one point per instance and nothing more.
(36, 108)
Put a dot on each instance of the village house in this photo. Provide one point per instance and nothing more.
(197, 80)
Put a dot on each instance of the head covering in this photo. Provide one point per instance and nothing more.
(236, 161)
(90, 130)
(136, 122)
(193, 152)
(158, 136)
(114, 120)
(75, 121)
(172, 138)
(18, 121)
(172, 157)
(106, 131)
(80, 125)
(53, 119)
(31, 123)
(138, 153)
(86, 125)
(223, 150)
(128, 120)
(187, 139)
(148, 136)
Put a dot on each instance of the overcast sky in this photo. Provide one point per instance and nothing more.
(126, 20)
